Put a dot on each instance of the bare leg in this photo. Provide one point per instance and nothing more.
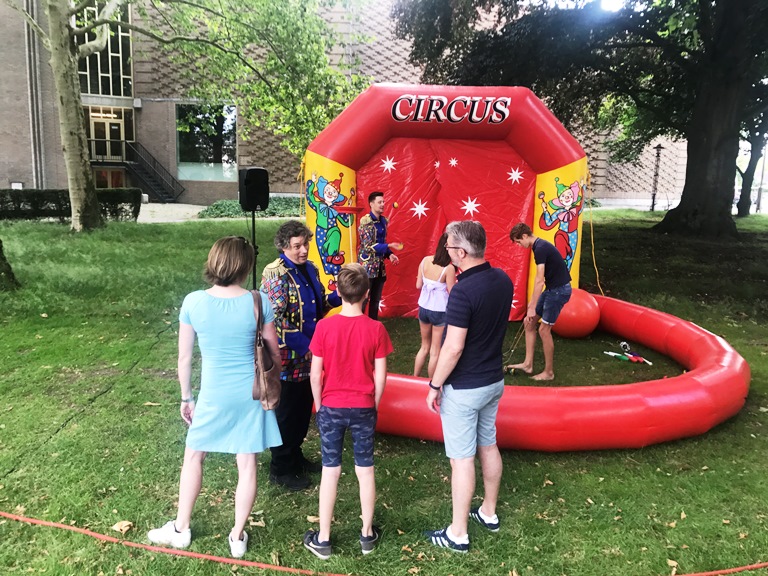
(367, 481)
(421, 355)
(548, 345)
(462, 491)
(434, 350)
(189, 486)
(530, 347)
(490, 462)
(329, 482)
(245, 494)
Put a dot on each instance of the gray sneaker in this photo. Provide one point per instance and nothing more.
(368, 543)
(322, 550)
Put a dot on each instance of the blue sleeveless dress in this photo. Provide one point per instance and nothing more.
(226, 417)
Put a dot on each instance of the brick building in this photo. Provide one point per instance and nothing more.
(133, 107)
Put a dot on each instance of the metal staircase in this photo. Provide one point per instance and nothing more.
(150, 175)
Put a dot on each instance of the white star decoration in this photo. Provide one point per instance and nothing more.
(516, 175)
(419, 209)
(514, 301)
(388, 164)
(470, 206)
(381, 305)
(453, 162)
(437, 164)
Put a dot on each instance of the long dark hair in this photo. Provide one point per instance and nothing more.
(441, 257)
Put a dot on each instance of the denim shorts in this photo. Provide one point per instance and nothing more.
(431, 317)
(334, 422)
(551, 302)
(469, 418)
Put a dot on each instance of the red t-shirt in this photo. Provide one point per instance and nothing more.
(349, 346)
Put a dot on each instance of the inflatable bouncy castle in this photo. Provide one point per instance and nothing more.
(444, 153)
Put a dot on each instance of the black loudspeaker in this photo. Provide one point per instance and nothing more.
(253, 192)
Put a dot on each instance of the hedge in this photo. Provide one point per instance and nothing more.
(31, 204)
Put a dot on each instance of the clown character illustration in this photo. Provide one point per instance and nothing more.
(566, 209)
(324, 196)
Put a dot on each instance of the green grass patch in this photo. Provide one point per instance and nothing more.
(90, 432)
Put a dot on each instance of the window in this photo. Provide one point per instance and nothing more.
(206, 142)
(108, 73)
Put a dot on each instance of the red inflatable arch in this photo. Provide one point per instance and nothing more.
(440, 153)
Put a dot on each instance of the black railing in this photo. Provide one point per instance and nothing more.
(135, 156)
(137, 153)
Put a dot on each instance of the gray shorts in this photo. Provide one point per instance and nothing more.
(469, 418)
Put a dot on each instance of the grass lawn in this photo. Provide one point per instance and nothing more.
(90, 432)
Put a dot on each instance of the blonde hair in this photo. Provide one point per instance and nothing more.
(229, 261)
(352, 283)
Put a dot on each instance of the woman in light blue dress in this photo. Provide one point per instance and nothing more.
(225, 418)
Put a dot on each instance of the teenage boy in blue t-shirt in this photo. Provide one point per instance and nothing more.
(552, 272)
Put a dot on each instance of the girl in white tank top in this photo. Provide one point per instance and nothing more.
(435, 279)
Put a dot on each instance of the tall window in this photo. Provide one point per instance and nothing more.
(108, 73)
(207, 142)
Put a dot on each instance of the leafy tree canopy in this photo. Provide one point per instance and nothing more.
(639, 67)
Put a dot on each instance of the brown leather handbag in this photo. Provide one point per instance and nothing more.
(266, 383)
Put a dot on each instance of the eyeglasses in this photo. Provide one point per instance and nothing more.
(453, 247)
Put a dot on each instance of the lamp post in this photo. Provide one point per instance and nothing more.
(658, 149)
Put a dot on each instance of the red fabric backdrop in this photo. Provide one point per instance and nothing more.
(434, 182)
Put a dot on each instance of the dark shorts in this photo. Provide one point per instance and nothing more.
(551, 302)
(334, 422)
(431, 317)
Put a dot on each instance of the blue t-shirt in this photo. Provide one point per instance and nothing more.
(480, 302)
(555, 269)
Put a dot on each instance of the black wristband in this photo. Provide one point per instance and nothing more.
(433, 387)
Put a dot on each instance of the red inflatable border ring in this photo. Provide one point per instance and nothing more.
(713, 389)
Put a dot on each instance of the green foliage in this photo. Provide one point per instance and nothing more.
(115, 203)
(90, 430)
(271, 59)
(638, 69)
(279, 207)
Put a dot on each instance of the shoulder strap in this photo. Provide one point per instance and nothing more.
(257, 314)
(440, 278)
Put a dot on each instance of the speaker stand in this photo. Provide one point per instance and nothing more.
(255, 248)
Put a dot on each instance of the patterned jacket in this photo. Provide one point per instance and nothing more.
(373, 245)
(298, 306)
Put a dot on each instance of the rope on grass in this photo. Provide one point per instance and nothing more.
(247, 563)
(169, 551)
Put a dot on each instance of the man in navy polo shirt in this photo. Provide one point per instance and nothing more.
(469, 380)
(552, 271)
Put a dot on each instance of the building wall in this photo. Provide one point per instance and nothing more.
(30, 149)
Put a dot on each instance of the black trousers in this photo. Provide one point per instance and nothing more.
(293, 414)
(377, 287)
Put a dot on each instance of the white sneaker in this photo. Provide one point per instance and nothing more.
(169, 536)
(237, 547)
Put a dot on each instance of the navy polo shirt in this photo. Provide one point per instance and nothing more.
(555, 269)
(480, 302)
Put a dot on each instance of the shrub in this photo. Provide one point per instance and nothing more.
(116, 204)
(279, 207)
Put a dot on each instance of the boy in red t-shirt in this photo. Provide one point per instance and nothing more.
(348, 374)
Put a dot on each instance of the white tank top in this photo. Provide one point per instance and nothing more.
(434, 293)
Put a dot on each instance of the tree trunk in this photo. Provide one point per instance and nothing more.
(82, 191)
(8, 281)
(757, 139)
(713, 137)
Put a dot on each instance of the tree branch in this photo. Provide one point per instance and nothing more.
(101, 24)
(80, 7)
(198, 40)
(32, 23)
